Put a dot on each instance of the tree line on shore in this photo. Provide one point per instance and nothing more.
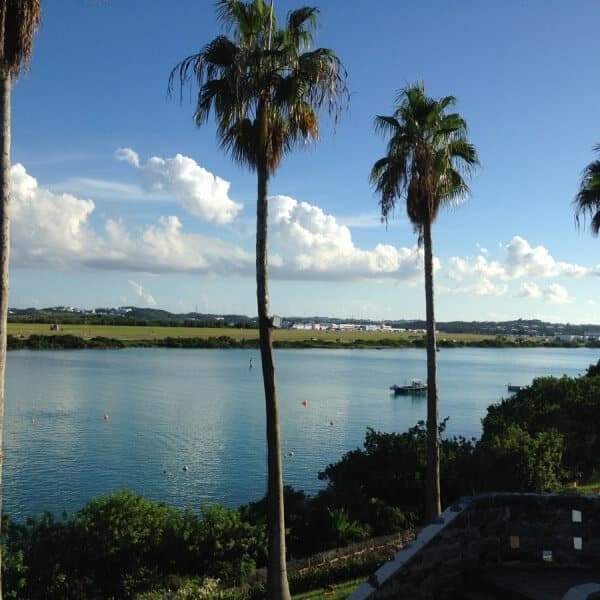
(73, 342)
(124, 546)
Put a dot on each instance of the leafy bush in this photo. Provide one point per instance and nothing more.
(383, 484)
(123, 544)
(104, 342)
(231, 547)
(520, 462)
(570, 406)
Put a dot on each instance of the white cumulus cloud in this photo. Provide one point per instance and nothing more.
(556, 294)
(479, 266)
(48, 229)
(530, 290)
(310, 244)
(51, 230)
(551, 294)
(523, 260)
(201, 193)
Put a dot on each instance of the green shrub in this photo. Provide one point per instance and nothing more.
(122, 544)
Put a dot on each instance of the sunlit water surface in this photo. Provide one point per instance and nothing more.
(204, 409)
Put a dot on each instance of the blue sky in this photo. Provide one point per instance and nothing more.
(119, 199)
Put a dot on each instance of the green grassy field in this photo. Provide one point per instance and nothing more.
(336, 592)
(151, 332)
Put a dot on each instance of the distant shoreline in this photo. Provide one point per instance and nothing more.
(63, 341)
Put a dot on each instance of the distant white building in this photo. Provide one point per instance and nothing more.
(569, 338)
(346, 326)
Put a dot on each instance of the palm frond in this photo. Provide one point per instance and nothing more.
(19, 21)
(453, 190)
(463, 156)
(595, 223)
(300, 25)
(587, 200)
(236, 15)
(445, 102)
(241, 141)
(326, 79)
(388, 175)
(386, 125)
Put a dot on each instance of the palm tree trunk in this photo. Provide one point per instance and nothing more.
(277, 581)
(4, 251)
(432, 501)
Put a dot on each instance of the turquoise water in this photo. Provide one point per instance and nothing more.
(204, 409)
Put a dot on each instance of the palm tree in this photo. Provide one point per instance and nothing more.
(19, 20)
(587, 200)
(427, 156)
(265, 87)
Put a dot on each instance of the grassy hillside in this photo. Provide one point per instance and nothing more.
(132, 333)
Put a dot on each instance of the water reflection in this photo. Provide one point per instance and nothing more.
(204, 409)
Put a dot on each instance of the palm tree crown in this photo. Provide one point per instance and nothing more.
(263, 69)
(19, 20)
(587, 200)
(427, 157)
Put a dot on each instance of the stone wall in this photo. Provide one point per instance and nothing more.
(562, 530)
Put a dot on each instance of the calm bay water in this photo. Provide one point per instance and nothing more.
(205, 409)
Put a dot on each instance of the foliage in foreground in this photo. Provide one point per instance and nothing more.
(120, 544)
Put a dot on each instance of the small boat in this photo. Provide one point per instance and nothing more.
(515, 388)
(416, 386)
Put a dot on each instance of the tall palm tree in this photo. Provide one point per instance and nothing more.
(19, 20)
(265, 87)
(587, 200)
(428, 155)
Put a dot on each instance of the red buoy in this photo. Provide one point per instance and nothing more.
(106, 417)
(304, 402)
